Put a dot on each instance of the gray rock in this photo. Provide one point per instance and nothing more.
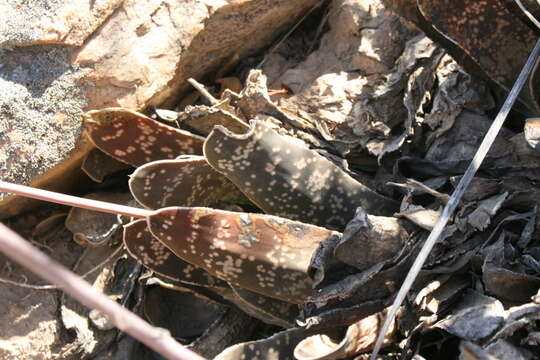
(40, 128)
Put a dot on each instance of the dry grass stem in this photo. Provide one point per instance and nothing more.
(15, 247)
(73, 200)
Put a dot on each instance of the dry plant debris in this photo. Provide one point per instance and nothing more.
(305, 210)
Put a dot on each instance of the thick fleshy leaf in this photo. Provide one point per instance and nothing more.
(481, 29)
(181, 182)
(95, 228)
(202, 119)
(264, 308)
(285, 178)
(279, 346)
(135, 139)
(265, 254)
(155, 256)
(98, 165)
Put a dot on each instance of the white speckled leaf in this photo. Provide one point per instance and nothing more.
(150, 252)
(135, 139)
(181, 182)
(265, 254)
(98, 165)
(286, 179)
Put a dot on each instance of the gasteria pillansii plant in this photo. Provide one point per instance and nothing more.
(264, 220)
(190, 240)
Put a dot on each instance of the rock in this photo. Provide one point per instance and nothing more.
(174, 41)
(122, 53)
(365, 38)
(58, 22)
(40, 127)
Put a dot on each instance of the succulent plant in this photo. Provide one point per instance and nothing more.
(305, 235)
(283, 177)
(265, 259)
(252, 206)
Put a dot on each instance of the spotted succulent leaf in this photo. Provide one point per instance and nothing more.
(150, 252)
(265, 254)
(95, 228)
(181, 182)
(98, 165)
(481, 29)
(285, 178)
(135, 139)
(203, 119)
(267, 309)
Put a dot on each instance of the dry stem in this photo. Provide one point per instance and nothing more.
(74, 200)
(22, 252)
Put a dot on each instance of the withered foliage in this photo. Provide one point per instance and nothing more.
(282, 216)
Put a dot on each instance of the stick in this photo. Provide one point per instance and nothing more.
(528, 13)
(200, 87)
(30, 257)
(74, 200)
(456, 196)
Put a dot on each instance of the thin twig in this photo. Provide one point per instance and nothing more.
(200, 88)
(100, 265)
(64, 199)
(18, 249)
(28, 286)
(54, 287)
